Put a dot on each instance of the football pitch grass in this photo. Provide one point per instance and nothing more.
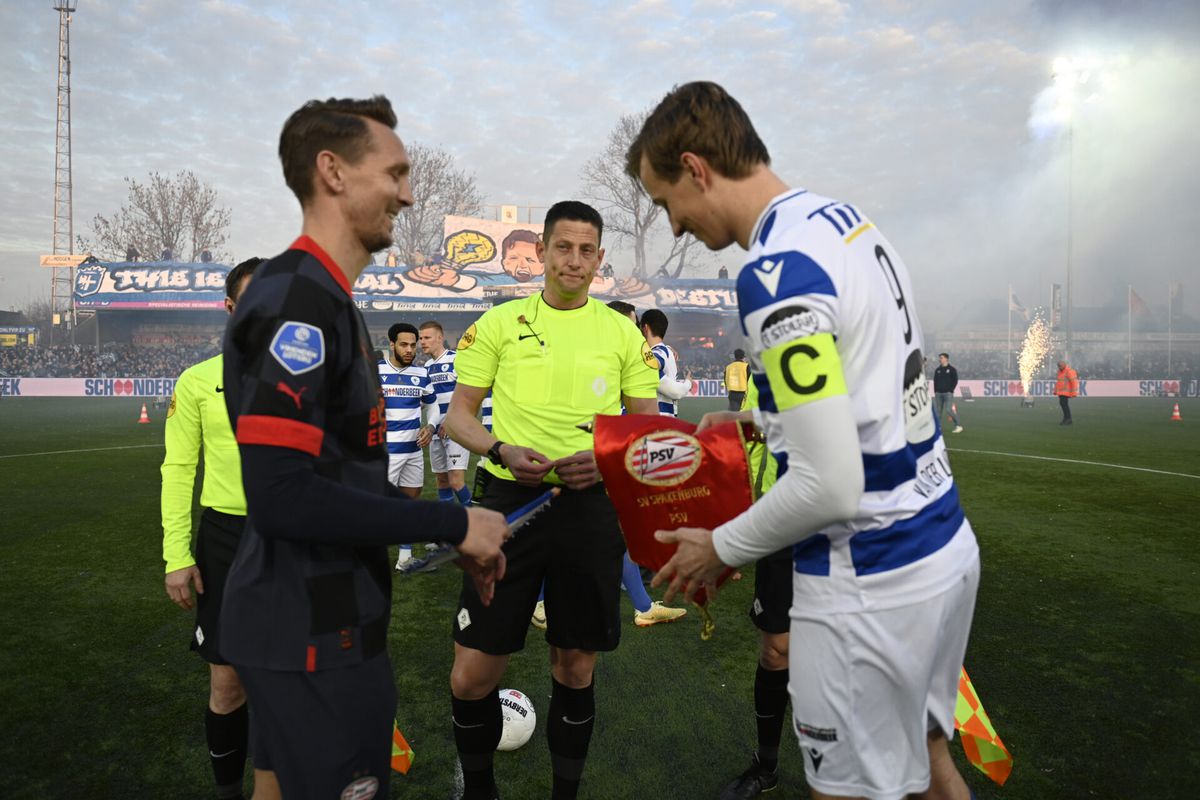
(1085, 648)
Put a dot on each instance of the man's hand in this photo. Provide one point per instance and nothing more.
(425, 436)
(482, 557)
(694, 565)
(179, 586)
(721, 417)
(578, 471)
(528, 466)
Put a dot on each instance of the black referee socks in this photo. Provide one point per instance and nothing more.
(477, 727)
(227, 735)
(770, 704)
(569, 731)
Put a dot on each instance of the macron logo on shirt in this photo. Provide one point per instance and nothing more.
(769, 272)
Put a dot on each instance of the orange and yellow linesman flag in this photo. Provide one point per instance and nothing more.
(979, 740)
(402, 754)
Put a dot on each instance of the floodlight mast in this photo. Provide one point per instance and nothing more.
(62, 281)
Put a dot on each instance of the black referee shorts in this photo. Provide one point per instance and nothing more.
(773, 592)
(216, 545)
(325, 734)
(576, 546)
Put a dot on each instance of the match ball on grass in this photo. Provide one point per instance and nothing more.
(519, 719)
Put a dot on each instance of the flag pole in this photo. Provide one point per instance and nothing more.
(1170, 323)
(1010, 330)
(1129, 356)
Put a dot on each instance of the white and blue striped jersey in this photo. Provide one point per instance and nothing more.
(668, 369)
(405, 392)
(444, 379)
(826, 306)
(485, 412)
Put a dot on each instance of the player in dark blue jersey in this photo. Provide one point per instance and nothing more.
(308, 597)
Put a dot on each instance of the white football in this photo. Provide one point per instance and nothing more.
(519, 719)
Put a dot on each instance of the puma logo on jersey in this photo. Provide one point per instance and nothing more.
(769, 273)
(290, 392)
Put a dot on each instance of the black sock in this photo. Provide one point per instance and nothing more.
(227, 735)
(572, 717)
(477, 727)
(770, 706)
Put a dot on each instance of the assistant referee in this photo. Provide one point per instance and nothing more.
(551, 361)
(197, 420)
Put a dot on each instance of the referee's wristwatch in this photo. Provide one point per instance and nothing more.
(493, 453)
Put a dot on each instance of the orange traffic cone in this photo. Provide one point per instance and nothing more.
(145, 418)
(1175, 414)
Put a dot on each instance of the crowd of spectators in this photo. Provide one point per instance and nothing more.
(168, 360)
(110, 361)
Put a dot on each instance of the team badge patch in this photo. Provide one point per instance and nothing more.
(467, 339)
(298, 347)
(464, 619)
(786, 324)
(361, 789)
(663, 458)
(171, 408)
(648, 357)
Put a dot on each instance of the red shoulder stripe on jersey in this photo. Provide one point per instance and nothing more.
(313, 249)
(261, 429)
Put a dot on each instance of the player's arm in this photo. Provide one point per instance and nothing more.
(640, 368)
(428, 411)
(670, 385)
(182, 437)
(953, 379)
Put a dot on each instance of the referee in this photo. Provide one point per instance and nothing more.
(308, 599)
(197, 420)
(551, 361)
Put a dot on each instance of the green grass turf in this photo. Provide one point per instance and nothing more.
(1085, 647)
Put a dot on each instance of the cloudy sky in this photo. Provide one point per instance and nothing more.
(932, 116)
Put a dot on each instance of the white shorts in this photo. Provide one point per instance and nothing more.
(407, 470)
(446, 455)
(868, 687)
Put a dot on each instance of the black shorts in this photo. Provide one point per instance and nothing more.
(773, 592)
(216, 545)
(735, 400)
(324, 734)
(576, 546)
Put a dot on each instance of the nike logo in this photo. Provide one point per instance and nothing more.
(222, 755)
(581, 722)
(220, 388)
(458, 724)
(525, 336)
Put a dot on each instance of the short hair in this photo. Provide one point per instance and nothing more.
(622, 308)
(572, 211)
(739, 353)
(655, 320)
(947, 355)
(399, 328)
(233, 280)
(700, 118)
(516, 237)
(338, 125)
(433, 324)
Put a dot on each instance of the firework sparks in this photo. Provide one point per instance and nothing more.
(1033, 351)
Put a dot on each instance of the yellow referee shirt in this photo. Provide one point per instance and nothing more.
(197, 419)
(551, 370)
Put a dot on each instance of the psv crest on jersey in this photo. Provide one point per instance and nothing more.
(298, 347)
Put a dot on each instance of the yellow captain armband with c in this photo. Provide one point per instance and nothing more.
(803, 370)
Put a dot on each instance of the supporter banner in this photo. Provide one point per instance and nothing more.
(86, 387)
(482, 262)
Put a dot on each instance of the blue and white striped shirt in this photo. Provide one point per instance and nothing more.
(405, 392)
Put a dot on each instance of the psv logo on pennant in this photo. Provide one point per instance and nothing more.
(663, 458)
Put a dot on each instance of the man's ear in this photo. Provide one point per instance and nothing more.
(696, 169)
(329, 171)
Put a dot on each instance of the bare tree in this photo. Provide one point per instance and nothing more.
(439, 189)
(627, 209)
(179, 213)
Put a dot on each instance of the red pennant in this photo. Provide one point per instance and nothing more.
(661, 475)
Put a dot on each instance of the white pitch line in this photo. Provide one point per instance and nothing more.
(86, 450)
(1074, 461)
